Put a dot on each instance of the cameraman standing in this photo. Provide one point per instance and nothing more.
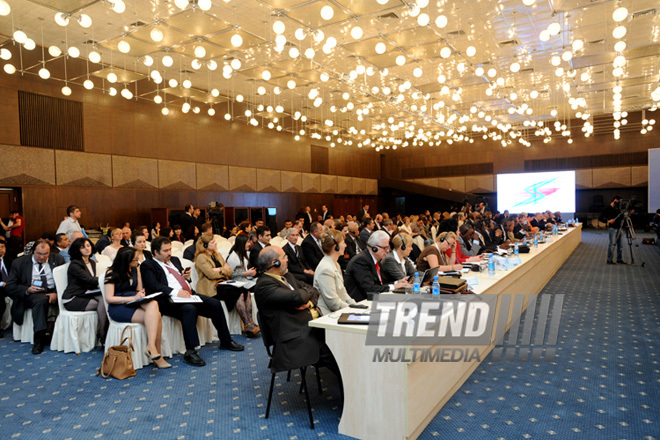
(612, 216)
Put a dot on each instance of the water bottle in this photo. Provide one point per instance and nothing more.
(417, 284)
(536, 241)
(435, 287)
(491, 267)
(515, 250)
(525, 240)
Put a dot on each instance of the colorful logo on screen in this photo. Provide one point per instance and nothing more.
(538, 191)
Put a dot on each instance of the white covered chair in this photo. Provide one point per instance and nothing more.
(25, 332)
(232, 239)
(114, 330)
(419, 241)
(177, 246)
(74, 331)
(5, 320)
(103, 260)
(188, 243)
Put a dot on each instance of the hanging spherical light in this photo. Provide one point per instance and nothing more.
(356, 32)
(44, 73)
(620, 14)
(95, 57)
(88, 84)
(20, 37)
(441, 21)
(327, 12)
(73, 52)
(167, 61)
(199, 51)
(236, 40)
(85, 20)
(124, 46)
(5, 9)
(62, 19)
(66, 90)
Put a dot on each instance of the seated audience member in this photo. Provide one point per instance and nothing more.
(538, 221)
(123, 284)
(509, 228)
(31, 286)
(263, 240)
(346, 256)
(144, 231)
(103, 242)
(155, 230)
(311, 245)
(62, 246)
(232, 232)
(469, 241)
(287, 225)
(389, 227)
(126, 237)
(363, 274)
(238, 260)
(491, 235)
(189, 252)
(298, 266)
(451, 225)
(244, 227)
(5, 266)
(178, 234)
(557, 217)
(353, 243)
(165, 274)
(29, 247)
(286, 309)
(111, 250)
(213, 270)
(435, 255)
(328, 279)
(140, 245)
(82, 277)
(167, 232)
(396, 265)
(366, 231)
(406, 226)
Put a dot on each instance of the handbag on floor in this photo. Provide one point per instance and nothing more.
(117, 361)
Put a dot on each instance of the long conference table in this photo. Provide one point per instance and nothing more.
(397, 400)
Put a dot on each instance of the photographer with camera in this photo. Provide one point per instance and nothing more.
(611, 215)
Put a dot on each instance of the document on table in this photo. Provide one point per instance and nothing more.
(180, 300)
(244, 284)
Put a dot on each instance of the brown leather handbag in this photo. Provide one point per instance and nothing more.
(117, 361)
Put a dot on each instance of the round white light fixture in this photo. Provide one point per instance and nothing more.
(196, 64)
(124, 46)
(319, 36)
(479, 71)
(236, 40)
(44, 73)
(619, 32)
(73, 52)
(95, 57)
(356, 32)
(492, 72)
(423, 19)
(66, 90)
(620, 46)
(577, 45)
(309, 53)
(235, 64)
(266, 75)
(156, 35)
(280, 40)
(239, 98)
(20, 37)
(567, 55)
(300, 34)
(291, 84)
(327, 12)
(199, 51)
(417, 72)
(173, 83)
(54, 51)
(471, 51)
(544, 35)
(5, 54)
(515, 67)
(380, 48)
(158, 99)
(112, 77)
(62, 19)
(165, 111)
(211, 111)
(4, 8)
(88, 84)
(119, 6)
(528, 2)
(445, 52)
(10, 69)
(554, 28)
(167, 61)
(212, 65)
(441, 21)
(400, 60)
(30, 44)
(112, 91)
(620, 14)
(204, 5)
(85, 21)
(181, 4)
(261, 90)
(186, 84)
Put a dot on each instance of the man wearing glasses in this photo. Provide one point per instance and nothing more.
(363, 271)
(31, 286)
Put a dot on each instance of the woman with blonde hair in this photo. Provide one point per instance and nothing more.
(213, 270)
(328, 279)
(396, 265)
(111, 249)
(434, 255)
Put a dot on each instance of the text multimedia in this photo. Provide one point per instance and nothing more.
(438, 354)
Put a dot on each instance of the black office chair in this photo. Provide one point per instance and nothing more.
(269, 343)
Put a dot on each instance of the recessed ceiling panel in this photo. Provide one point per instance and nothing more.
(196, 23)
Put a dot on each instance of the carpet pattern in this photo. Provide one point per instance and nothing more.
(604, 382)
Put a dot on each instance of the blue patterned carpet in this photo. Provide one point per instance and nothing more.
(603, 384)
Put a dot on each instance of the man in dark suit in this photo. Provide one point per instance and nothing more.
(31, 286)
(307, 217)
(363, 272)
(353, 243)
(263, 240)
(366, 231)
(311, 245)
(362, 213)
(5, 266)
(325, 214)
(189, 252)
(297, 264)
(165, 274)
(187, 223)
(285, 309)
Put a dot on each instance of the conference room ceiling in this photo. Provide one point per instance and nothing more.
(421, 71)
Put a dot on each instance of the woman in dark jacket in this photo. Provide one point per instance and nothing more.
(82, 277)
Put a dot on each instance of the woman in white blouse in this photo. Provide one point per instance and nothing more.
(328, 279)
(238, 259)
(111, 249)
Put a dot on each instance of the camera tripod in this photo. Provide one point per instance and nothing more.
(627, 226)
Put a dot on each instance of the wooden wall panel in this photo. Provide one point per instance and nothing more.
(432, 181)
(359, 186)
(444, 183)
(457, 183)
(480, 183)
(269, 180)
(344, 185)
(611, 177)
(584, 179)
(639, 176)
(372, 187)
(328, 184)
(212, 177)
(291, 181)
(26, 166)
(83, 169)
(242, 179)
(134, 172)
(311, 183)
(10, 133)
(176, 175)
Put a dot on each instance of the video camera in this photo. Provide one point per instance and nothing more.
(626, 205)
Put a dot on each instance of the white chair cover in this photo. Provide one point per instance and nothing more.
(103, 260)
(114, 331)
(5, 321)
(25, 332)
(74, 331)
(232, 239)
(177, 246)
